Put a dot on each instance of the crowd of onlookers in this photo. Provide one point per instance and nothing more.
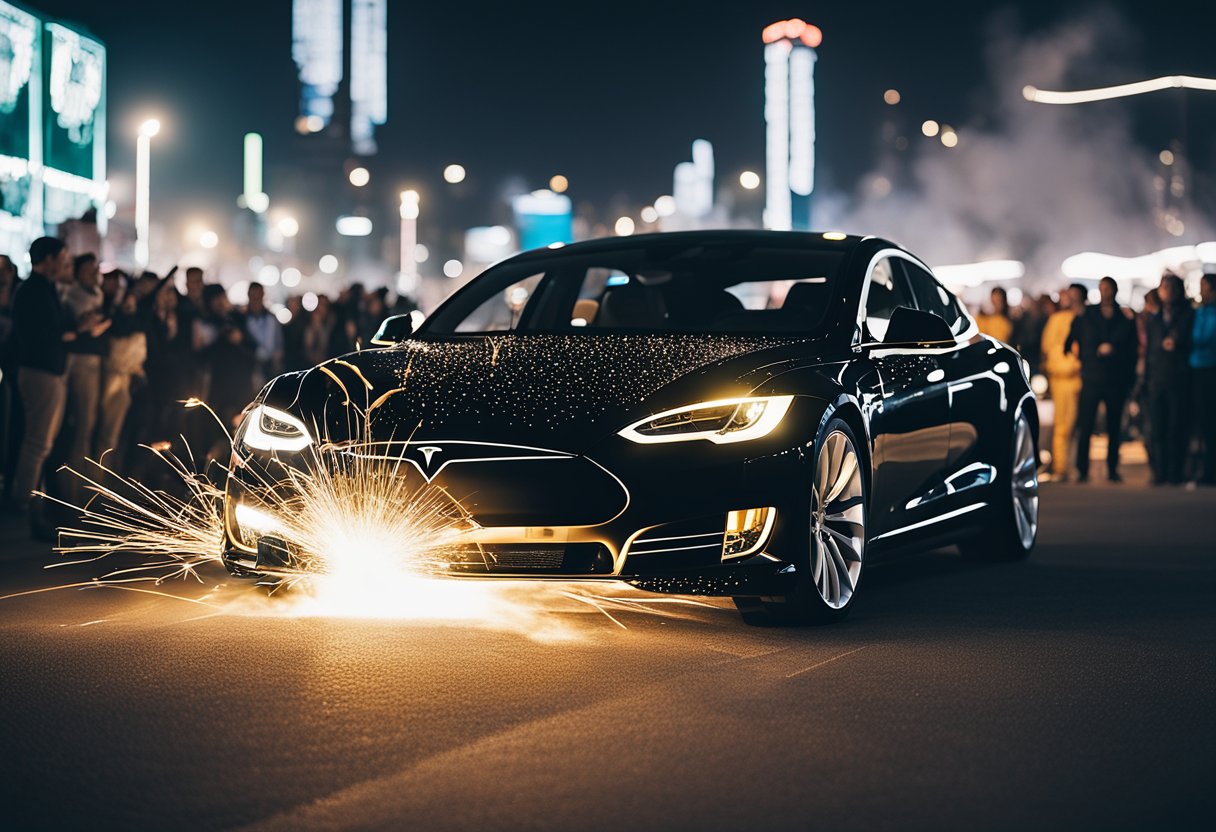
(1158, 363)
(99, 363)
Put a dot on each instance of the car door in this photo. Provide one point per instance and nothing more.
(909, 412)
(978, 394)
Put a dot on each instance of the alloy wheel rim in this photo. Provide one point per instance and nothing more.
(838, 521)
(1025, 483)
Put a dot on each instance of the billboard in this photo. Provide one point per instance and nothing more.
(52, 125)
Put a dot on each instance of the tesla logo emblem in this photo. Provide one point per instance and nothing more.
(430, 460)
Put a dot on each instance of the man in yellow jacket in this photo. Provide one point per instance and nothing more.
(1063, 369)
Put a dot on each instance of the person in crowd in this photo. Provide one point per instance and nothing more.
(1063, 370)
(192, 308)
(266, 336)
(83, 299)
(170, 348)
(1104, 337)
(997, 323)
(293, 335)
(1028, 331)
(226, 350)
(318, 335)
(1167, 383)
(372, 316)
(44, 328)
(8, 283)
(124, 361)
(1203, 373)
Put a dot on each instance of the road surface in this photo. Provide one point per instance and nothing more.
(1074, 691)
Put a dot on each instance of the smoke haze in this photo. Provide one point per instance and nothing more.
(1031, 182)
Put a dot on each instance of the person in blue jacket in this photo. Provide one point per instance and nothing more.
(1203, 374)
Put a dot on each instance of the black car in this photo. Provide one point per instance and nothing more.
(737, 413)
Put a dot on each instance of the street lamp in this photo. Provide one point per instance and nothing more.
(409, 235)
(143, 162)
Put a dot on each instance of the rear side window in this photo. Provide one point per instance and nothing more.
(931, 296)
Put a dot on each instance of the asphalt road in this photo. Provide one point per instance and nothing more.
(1074, 691)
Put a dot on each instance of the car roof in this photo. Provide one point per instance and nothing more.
(811, 240)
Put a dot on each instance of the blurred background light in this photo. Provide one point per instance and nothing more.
(453, 174)
(354, 226)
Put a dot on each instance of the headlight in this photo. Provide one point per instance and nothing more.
(725, 420)
(270, 429)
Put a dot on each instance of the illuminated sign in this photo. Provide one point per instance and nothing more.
(18, 47)
(543, 218)
(72, 95)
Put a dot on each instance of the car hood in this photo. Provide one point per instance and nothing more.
(557, 391)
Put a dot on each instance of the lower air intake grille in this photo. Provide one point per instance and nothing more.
(525, 557)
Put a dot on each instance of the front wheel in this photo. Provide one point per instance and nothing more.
(1016, 516)
(827, 577)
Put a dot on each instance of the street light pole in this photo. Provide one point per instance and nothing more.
(409, 236)
(143, 163)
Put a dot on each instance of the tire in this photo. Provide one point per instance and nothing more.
(1015, 518)
(830, 567)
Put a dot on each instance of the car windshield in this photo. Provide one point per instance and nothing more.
(653, 288)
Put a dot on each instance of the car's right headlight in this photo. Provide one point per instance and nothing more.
(720, 421)
(269, 429)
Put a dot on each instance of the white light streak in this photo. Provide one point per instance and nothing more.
(1167, 82)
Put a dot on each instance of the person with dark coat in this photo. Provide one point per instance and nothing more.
(1167, 353)
(1104, 337)
(227, 352)
(43, 328)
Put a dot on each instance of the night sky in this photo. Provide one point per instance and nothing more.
(608, 94)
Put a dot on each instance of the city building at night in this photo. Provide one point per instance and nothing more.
(789, 116)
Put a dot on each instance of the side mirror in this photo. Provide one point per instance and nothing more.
(393, 330)
(917, 328)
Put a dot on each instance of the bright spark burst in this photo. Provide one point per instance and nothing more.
(367, 539)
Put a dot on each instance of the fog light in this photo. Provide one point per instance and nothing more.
(746, 531)
(248, 521)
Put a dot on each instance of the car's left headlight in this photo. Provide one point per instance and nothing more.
(720, 421)
(269, 429)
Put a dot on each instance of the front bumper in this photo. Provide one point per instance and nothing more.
(666, 526)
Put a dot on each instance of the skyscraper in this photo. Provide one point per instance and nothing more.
(789, 116)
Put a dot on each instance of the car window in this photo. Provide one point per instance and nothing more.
(888, 291)
(931, 296)
(654, 288)
(502, 310)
